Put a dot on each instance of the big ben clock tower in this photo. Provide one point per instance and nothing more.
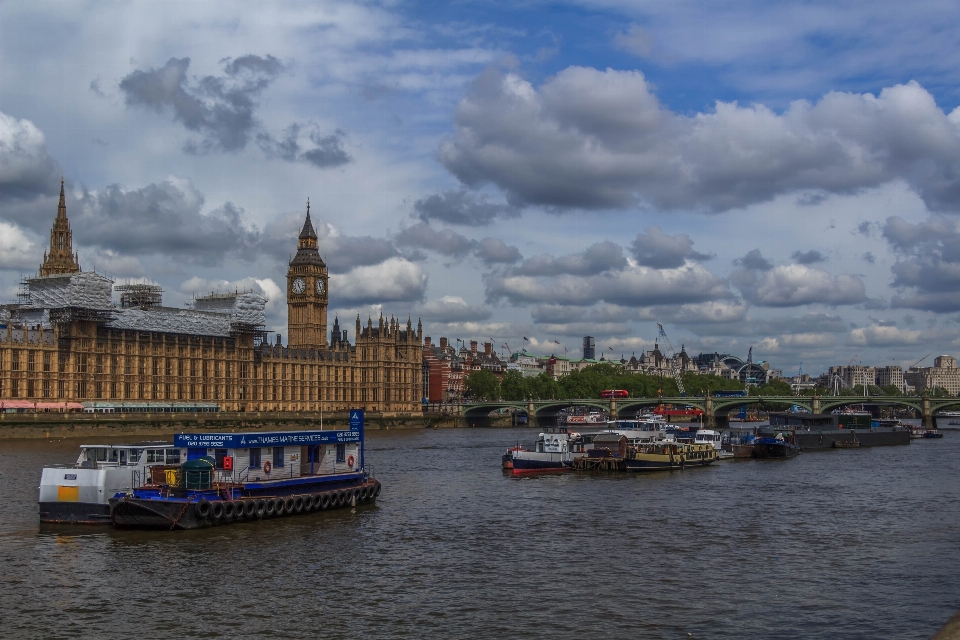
(307, 292)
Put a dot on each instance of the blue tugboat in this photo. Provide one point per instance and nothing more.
(779, 446)
(231, 477)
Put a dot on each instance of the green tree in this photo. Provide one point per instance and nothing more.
(772, 388)
(513, 386)
(482, 385)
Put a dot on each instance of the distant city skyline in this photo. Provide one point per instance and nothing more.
(774, 175)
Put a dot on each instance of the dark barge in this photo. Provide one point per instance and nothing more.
(818, 431)
(231, 477)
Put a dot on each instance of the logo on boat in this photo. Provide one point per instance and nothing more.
(69, 476)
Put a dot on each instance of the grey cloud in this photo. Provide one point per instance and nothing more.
(795, 285)
(601, 139)
(493, 251)
(869, 257)
(341, 253)
(164, 218)
(597, 258)
(222, 109)
(444, 241)
(927, 270)
(754, 261)
(563, 314)
(463, 208)
(395, 280)
(654, 248)
(808, 257)
(26, 169)
(452, 309)
(635, 40)
(630, 287)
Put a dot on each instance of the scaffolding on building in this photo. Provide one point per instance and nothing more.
(139, 296)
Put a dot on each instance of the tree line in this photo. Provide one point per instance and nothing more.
(589, 382)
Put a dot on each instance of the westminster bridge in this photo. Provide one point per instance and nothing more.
(715, 409)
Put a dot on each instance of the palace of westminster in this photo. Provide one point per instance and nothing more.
(67, 341)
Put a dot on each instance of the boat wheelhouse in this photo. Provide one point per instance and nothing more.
(228, 477)
(80, 493)
(662, 456)
(551, 454)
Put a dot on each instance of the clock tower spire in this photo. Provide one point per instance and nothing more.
(307, 292)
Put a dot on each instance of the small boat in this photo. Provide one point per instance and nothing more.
(80, 493)
(551, 454)
(766, 447)
(845, 444)
(507, 459)
(662, 456)
(932, 433)
(916, 432)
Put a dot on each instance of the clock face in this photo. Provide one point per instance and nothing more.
(299, 286)
(321, 286)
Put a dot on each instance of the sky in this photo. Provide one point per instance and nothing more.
(777, 175)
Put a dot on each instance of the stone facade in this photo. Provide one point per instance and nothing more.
(944, 373)
(75, 346)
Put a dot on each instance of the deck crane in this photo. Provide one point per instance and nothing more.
(672, 358)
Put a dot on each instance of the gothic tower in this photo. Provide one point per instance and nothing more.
(61, 258)
(307, 292)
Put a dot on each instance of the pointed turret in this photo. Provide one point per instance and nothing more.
(307, 246)
(61, 258)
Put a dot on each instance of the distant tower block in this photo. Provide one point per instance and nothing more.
(139, 296)
(60, 259)
(589, 348)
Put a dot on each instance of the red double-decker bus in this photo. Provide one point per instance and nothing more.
(614, 393)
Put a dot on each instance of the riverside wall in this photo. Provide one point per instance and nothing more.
(119, 425)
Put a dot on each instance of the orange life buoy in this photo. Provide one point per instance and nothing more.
(349, 461)
(267, 467)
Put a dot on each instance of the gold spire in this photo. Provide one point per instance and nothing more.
(61, 258)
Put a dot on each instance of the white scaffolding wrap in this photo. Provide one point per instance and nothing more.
(87, 290)
(170, 320)
(244, 308)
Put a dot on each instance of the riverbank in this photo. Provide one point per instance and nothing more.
(117, 425)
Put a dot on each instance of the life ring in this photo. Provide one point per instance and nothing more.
(267, 467)
(350, 461)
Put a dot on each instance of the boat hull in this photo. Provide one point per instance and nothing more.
(879, 437)
(664, 465)
(74, 513)
(131, 512)
(770, 450)
(523, 466)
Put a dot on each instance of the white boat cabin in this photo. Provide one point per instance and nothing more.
(709, 436)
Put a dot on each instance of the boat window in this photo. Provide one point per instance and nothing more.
(113, 455)
(341, 453)
(133, 456)
(123, 456)
(255, 458)
(154, 455)
(173, 456)
(278, 456)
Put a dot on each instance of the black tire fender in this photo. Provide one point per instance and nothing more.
(202, 508)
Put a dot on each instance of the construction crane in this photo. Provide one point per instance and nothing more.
(672, 359)
(919, 361)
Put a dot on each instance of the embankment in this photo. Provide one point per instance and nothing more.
(118, 425)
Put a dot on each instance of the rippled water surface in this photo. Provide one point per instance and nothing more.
(839, 544)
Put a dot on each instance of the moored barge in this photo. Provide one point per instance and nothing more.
(231, 477)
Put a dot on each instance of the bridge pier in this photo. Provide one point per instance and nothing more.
(613, 409)
(531, 414)
(816, 405)
(711, 419)
(927, 414)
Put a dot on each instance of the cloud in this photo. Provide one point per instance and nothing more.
(654, 248)
(885, 336)
(632, 287)
(462, 207)
(394, 280)
(450, 309)
(17, 251)
(594, 139)
(795, 285)
(595, 259)
(26, 168)
(222, 109)
(808, 257)
(927, 270)
(754, 261)
(493, 251)
(635, 40)
(444, 241)
(162, 218)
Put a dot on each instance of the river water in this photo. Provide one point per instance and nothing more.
(838, 544)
